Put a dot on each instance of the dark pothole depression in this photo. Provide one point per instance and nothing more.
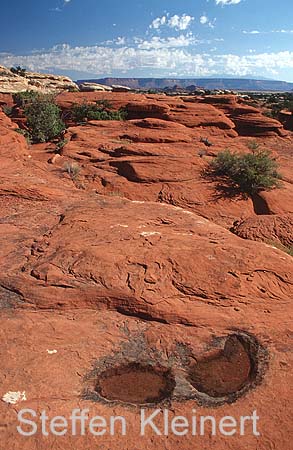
(225, 373)
(231, 366)
(135, 383)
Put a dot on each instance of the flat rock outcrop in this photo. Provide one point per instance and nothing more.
(93, 87)
(155, 265)
(119, 88)
(271, 229)
(222, 112)
(152, 160)
(142, 110)
(249, 121)
(252, 123)
(12, 83)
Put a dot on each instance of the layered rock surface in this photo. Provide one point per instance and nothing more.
(131, 271)
(12, 83)
(163, 148)
(248, 120)
(92, 87)
(222, 112)
(271, 229)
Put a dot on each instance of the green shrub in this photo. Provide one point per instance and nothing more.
(278, 102)
(61, 144)
(104, 103)
(73, 169)
(206, 141)
(253, 145)
(18, 71)
(43, 119)
(278, 245)
(101, 110)
(24, 133)
(249, 173)
(7, 110)
(22, 99)
(269, 114)
(289, 106)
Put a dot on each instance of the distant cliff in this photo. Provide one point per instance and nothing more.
(206, 83)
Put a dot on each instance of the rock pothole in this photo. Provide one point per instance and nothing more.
(135, 383)
(229, 372)
(137, 375)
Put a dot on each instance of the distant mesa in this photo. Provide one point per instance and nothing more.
(235, 84)
(19, 80)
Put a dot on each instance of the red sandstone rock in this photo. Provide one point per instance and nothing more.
(248, 120)
(104, 150)
(6, 99)
(196, 115)
(92, 282)
(166, 158)
(255, 124)
(268, 228)
(221, 112)
(118, 99)
(221, 99)
(13, 146)
(113, 277)
(142, 110)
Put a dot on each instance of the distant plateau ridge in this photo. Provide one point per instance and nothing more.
(238, 84)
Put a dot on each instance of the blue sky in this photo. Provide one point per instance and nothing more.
(133, 38)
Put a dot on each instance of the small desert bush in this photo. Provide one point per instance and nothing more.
(289, 106)
(101, 110)
(43, 119)
(104, 103)
(73, 169)
(18, 71)
(7, 110)
(250, 173)
(253, 145)
(22, 99)
(24, 133)
(269, 114)
(277, 104)
(284, 248)
(61, 144)
(206, 142)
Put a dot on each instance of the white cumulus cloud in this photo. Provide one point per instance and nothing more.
(158, 22)
(251, 32)
(169, 42)
(120, 40)
(60, 8)
(267, 32)
(180, 22)
(203, 20)
(177, 22)
(162, 55)
(227, 2)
